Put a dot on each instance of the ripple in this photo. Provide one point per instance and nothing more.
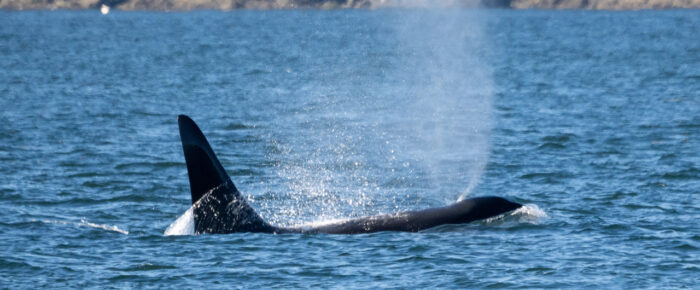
(149, 165)
(238, 126)
(685, 174)
(254, 72)
(89, 129)
(412, 258)
(694, 124)
(559, 138)
(144, 267)
(551, 145)
(80, 201)
(547, 175)
(541, 270)
(85, 223)
(125, 278)
(668, 156)
(686, 247)
(86, 174)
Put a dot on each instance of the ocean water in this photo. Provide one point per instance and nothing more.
(592, 119)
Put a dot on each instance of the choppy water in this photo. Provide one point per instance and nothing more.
(591, 118)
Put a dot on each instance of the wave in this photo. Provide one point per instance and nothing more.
(529, 213)
(84, 223)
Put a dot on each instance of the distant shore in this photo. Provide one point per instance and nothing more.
(185, 5)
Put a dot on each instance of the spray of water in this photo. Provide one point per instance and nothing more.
(418, 138)
(449, 96)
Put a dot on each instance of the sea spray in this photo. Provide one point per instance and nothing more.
(449, 97)
(406, 127)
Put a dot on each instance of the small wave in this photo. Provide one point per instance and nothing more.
(559, 138)
(147, 165)
(551, 145)
(238, 126)
(546, 175)
(526, 213)
(84, 223)
(255, 72)
(530, 212)
(144, 267)
(689, 174)
(182, 226)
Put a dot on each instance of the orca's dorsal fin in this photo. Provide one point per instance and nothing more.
(217, 206)
(203, 168)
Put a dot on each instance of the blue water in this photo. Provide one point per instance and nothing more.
(590, 118)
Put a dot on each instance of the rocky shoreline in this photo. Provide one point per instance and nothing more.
(185, 5)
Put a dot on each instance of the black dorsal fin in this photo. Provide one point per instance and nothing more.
(218, 207)
(204, 169)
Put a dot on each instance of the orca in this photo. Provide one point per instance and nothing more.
(219, 208)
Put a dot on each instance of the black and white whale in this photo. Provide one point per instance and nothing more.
(219, 208)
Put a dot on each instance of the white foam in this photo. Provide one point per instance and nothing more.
(83, 222)
(527, 213)
(183, 225)
(531, 210)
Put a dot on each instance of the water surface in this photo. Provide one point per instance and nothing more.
(591, 118)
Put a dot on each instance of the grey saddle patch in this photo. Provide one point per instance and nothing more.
(223, 210)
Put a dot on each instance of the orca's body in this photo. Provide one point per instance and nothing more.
(219, 208)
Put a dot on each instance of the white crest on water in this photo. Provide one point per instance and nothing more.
(531, 209)
(84, 223)
(183, 225)
(529, 213)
